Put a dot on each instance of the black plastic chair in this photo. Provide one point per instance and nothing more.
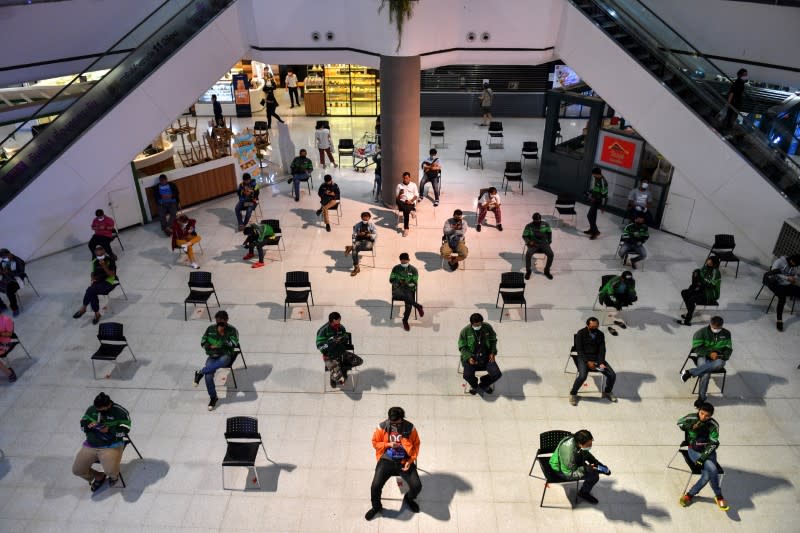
(112, 344)
(693, 356)
(437, 130)
(548, 442)
(200, 290)
(513, 172)
(125, 441)
(391, 306)
(605, 279)
(723, 248)
(530, 150)
(473, 151)
(512, 290)
(237, 351)
(345, 148)
(244, 440)
(565, 207)
(495, 134)
(275, 224)
(298, 290)
(694, 469)
(573, 356)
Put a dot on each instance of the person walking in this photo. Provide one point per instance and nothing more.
(324, 143)
(735, 97)
(220, 342)
(702, 436)
(404, 278)
(219, 119)
(598, 196)
(538, 236)
(477, 344)
(271, 103)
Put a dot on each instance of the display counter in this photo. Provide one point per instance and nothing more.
(147, 165)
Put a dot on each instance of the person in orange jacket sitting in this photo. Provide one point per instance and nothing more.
(184, 236)
(396, 444)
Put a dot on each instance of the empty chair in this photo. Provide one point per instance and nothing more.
(512, 291)
(261, 140)
(565, 207)
(723, 248)
(437, 130)
(200, 290)
(298, 290)
(473, 151)
(495, 135)
(513, 172)
(530, 150)
(112, 344)
(693, 357)
(345, 148)
(548, 442)
(243, 440)
(237, 351)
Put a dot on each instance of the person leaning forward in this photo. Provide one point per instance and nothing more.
(477, 344)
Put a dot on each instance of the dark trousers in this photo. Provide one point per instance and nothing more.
(592, 217)
(271, 113)
(583, 373)
(377, 185)
(782, 292)
(692, 298)
(617, 301)
(100, 240)
(539, 249)
(219, 120)
(248, 211)
(294, 98)
(408, 297)
(91, 296)
(11, 288)
(386, 469)
(493, 374)
(590, 478)
(166, 214)
(406, 209)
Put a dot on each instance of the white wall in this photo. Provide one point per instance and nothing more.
(730, 196)
(755, 32)
(63, 198)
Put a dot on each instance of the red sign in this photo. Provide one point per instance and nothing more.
(618, 152)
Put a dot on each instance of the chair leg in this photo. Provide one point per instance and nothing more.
(544, 490)
(737, 270)
(94, 370)
(233, 375)
(216, 298)
(308, 308)
(32, 286)
(135, 448)
(770, 304)
(241, 354)
(132, 354)
(502, 309)
(724, 377)
(526, 311)
(285, 306)
(185, 316)
(123, 292)
(122, 479)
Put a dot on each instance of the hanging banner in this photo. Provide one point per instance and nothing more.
(246, 153)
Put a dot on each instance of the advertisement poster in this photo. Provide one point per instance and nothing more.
(241, 95)
(563, 76)
(246, 154)
(618, 152)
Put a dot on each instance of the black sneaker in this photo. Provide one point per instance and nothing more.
(499, 227)
(97, 483)
(621, 324)
(436, 203)
(548, 275)
(473, 391)
(488, 390)
(197, 377)
(478, 227)
(683, 322)
(371, 513)
(588, 232)
(612, 331)
(588, 497)
(412, 504)
(686, 376)
(212, 403)
(319, 212)
(527, 274)
(112, 482)
(327, 227)
(333, 383)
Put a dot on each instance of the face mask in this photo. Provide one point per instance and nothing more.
(587, 449)
(221, 324)
(745, 78)
(476, 328)
(4, 260)
(404, 265)
(645, 185)
(715, 331)
(100, 257)
(100, 219)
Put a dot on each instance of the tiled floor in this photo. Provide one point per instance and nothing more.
(475, 452)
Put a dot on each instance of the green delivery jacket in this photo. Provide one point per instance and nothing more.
(217, 345)
(569, 459)
(701, 436)
(466, 341)
(116, 419)
(706, 341)
(709, 280)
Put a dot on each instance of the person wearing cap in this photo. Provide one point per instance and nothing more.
(220, 342)
(396, 444)
(490, 201)
(105, 424)
(6, 343)
(103, 227)
(454, 248)
(572, 460)
(486, 103)
(404, 279)
(184, 237)
(477, 344)
(713, 346)
(538, 236)
(634, 235)
(598, 197)
(12, 276)
(329, 197)
(103, 280)
(640, 201)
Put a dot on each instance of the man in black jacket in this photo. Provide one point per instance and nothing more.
(12, 274)
(590, 344)
(329, 197)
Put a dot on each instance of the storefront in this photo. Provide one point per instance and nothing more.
(224, 89)
(338, 90)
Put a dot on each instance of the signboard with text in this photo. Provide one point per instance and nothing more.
(619, 152)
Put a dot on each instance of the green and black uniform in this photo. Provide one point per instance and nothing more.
(537, 237)
(705, 290)
(633, 238)
(102, 282)
(116, 419)
(704, 343)
(598, 196)
(404, 281)
(301, 168)
(570, 461)
(618, 292)
(334, 344)
(479, 345)
(217, 345)
(259, 235)
(702, 438)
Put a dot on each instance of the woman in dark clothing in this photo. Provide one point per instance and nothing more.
(270, 103)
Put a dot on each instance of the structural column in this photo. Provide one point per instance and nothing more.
(399, 122)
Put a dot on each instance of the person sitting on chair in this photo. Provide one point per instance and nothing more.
(333, 342)
(713, 345)
(477, 344)
(618, 292)
(184, 236)
(103, 280)
(783, 279)
(590, 345)
(454, 247)
(6, 338)
(12, 276)
(538, 236)
(103, 227)
(258, 236)
(702, 433)
(105, 424)
(704, 290)
(490, 201)
(431, 173)
(364, 235)
(329, 197)
(396, 444)
(406, 196)
(572, 460)
(220, 342)
(640, 201)
(634, 236)
(248, 200)
(301, 169)
(404, 278)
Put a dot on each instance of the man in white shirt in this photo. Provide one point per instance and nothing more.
(407, 195)
(489, 201)
(639, 203)
(291, 84)
(431, 173)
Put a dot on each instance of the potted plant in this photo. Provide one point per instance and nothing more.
(399, 12)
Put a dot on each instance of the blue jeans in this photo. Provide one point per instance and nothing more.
(629, 248)
(377, 185)
(364, 245)
(248, 212)
(704, 369)
(435, 183)
(710, 473)
(212, 365)
(298, 178)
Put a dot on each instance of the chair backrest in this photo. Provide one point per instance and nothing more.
(565, 200)
(297, 279)
(495, 126)
(605, 279)
(512, 280)
(200, 279)
(481, 192)
(346, 144)
(110, 331)
(724, 242)
(437, 126)
(260, 126)
(513, 167)
(530, 147)
(548, 441)
(473, 144)
(242, 427)
(273, 223)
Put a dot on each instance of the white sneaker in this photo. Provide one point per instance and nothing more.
(195, 266)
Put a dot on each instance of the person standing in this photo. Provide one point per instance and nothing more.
(538, 236)
(396, 444)
(454, 248)
(590, 345)
(407, 196)
(248, 193)
(220, 342)
(404, 278)
(219, 120)
(486, 98)
(271, 103)
(634, 236)
(598, 196)
(333, 342)
(782, 279)
(490, 201)
(572, 460)
(705, 288)
(329, 197)
(735, 98)
(702, 437)
(291, 85)
(258, 236)
(103, 227)
(324, 143)
(105, 424)
(184, 237)
(431, 173)
(12, 276)
(640, 201)
(377, 184)
(103, 281)
(477, 344)
(713, 346)
(168, 198)
(301, 169)
(6, 339)
(364, 235)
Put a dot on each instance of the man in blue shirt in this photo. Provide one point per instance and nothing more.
(168, 198)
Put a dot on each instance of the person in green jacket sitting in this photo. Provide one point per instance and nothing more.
(572, 460)
(618, 292)
(404, 279)
(704, 290)
(105, 424)
(220, 342)
(258, 236)
(634, 236)
(713, 345)
(702, 438)
(477, 344)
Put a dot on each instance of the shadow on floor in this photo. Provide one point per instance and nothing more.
(378, 311)
(309, 217)
(628, 506)
(226, 216)
(431, 261)
(742, 486)
(745, 387)
(511, 384)
(269, 476)
(438, 491)
(345, 262)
